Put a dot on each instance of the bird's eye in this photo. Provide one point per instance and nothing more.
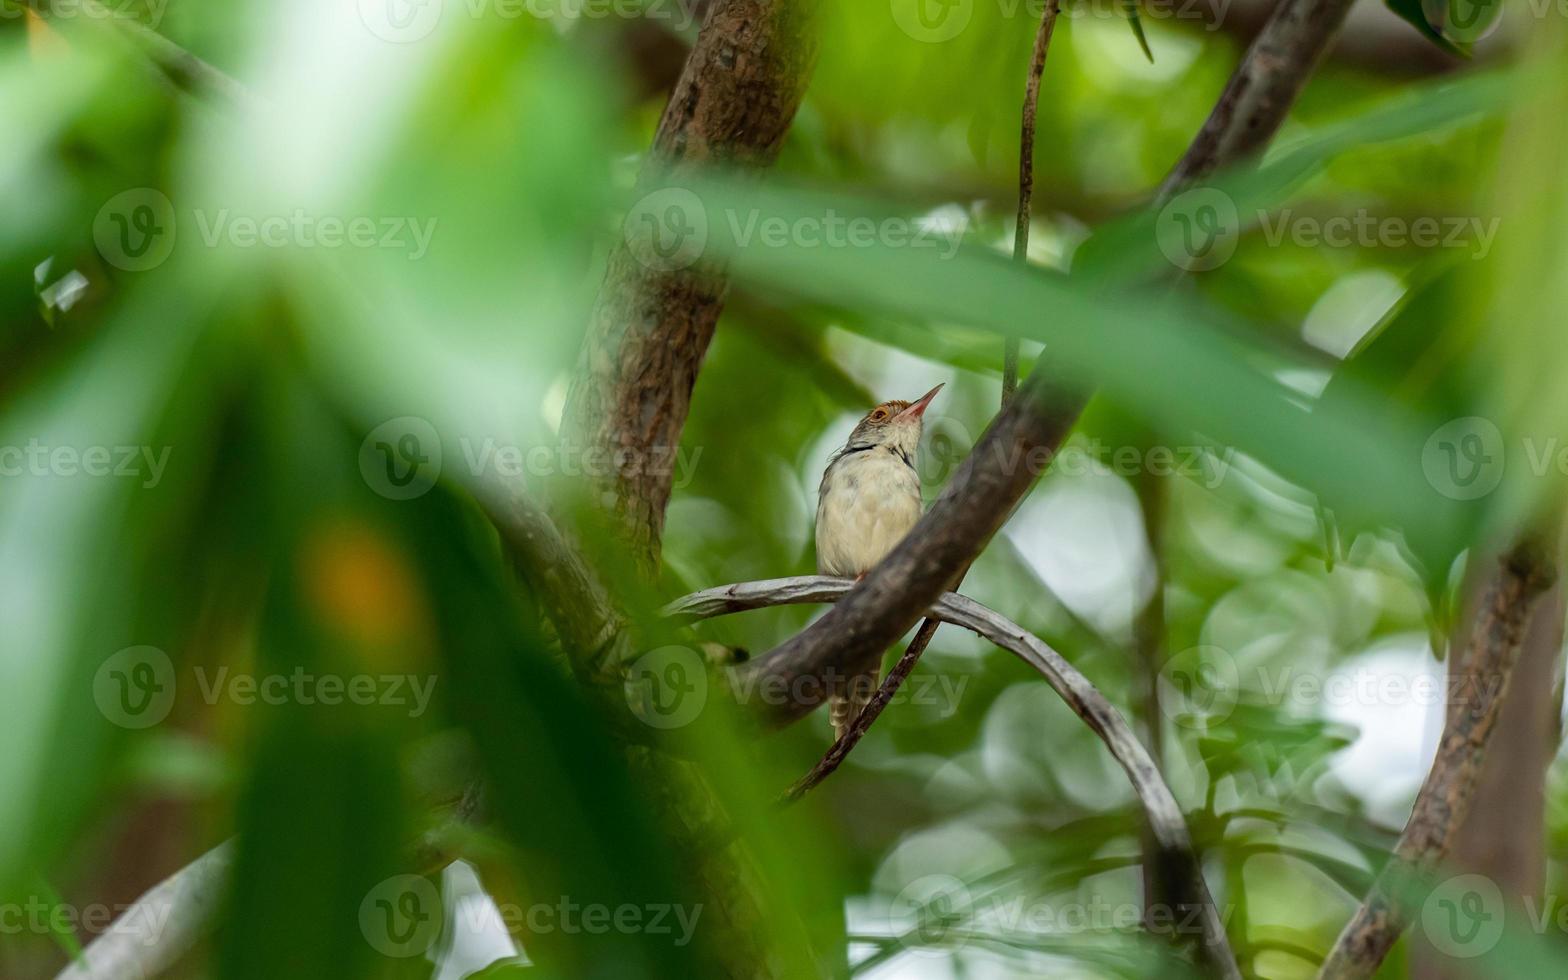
(878, 415)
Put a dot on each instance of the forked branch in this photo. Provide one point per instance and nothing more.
(1163, 813)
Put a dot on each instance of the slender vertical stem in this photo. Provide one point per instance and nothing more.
(922, 638)
(1042, 46)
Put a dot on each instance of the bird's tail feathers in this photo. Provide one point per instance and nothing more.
(850, 697)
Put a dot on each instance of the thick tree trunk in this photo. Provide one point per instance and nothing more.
(629, 399)
(1504, 838)
(1496, 637)
(651, 326)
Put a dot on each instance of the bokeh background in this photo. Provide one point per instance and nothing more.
(1264, 579)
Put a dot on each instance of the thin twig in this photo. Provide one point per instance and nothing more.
(1262, 90)
(187, 72)
(1013, 451)
(1042, 46)
(1496, 636)
(873, 709)
(922, 638)
(1162, 812)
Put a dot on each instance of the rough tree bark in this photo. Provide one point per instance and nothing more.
(631, 393)
(1022, 439)
(1522, 575)
(1504, 838)
(637, 367)
(1163, 816)
(1263, 89)
(650, 329)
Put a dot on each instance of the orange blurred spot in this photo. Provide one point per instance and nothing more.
(359, 585)
(42, 40)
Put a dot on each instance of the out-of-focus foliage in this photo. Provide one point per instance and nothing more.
(252, 395)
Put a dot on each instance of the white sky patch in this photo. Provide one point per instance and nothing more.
(1308, 381)
(1110, 52)
(470, 949)
(1349, 308)
(1084, 537)
(1398, 732)
(333, 96)
(947, 220)
(887, 371)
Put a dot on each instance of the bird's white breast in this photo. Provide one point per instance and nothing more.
(869, 501)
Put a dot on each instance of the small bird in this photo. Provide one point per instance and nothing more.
(868, 501)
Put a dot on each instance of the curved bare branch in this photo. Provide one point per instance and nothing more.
(159, 927)
(1163, 813)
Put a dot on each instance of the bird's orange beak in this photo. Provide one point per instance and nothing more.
(918, 409)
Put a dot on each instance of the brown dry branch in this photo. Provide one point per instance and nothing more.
(841, 748)
(1026, 434)
(1262, 90)
(1160, 807)
(650, 328)
(1526, 571)
(184, 70)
